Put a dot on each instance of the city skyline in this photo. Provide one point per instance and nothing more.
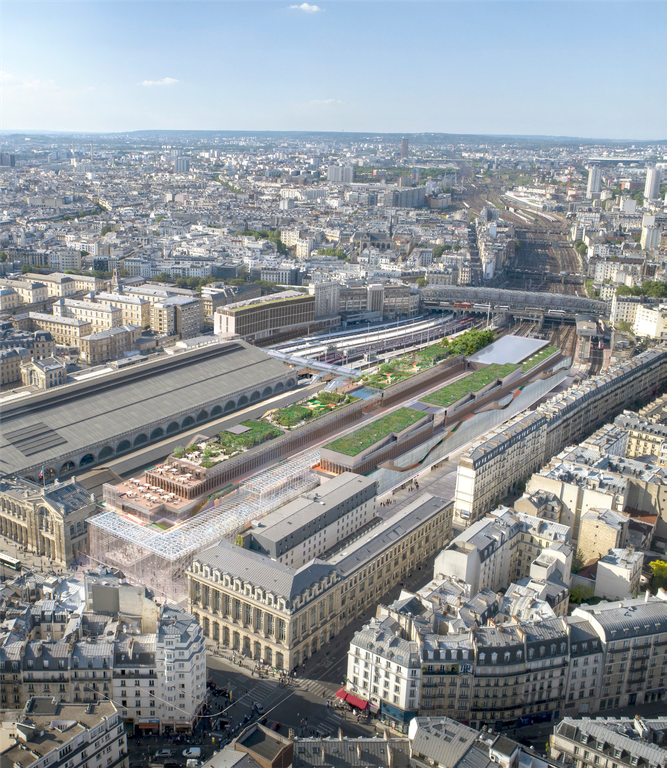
(501, 69)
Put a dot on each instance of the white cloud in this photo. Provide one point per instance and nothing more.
(306, 8)
(164, 81)
(320, 102)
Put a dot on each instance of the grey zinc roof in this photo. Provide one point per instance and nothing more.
(351, 752)
(99, 410)
(618, 733)
(381, 638)
(582, 632)
(69, 496)
(388, 534)
(445, 741)
(263, 572)
(505, 636)
(628, 618)
(296, 515)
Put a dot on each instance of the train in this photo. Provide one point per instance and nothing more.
(348, 350)
(462, 305)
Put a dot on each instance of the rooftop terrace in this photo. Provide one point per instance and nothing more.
(361, 439)
(452, 393)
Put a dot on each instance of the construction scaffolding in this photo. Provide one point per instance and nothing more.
(159, 557)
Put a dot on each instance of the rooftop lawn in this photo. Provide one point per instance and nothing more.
(537, 358)
(452, 393)
(257, 302)
(363, 438)
(259, 432)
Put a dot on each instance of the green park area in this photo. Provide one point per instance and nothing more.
(318, 405)
(227, 444)
(469, 384)
(401, 368)
(363, 438)
(538, 358)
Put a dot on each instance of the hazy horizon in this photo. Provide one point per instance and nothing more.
(464, 68)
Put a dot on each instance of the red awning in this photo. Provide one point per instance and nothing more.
(353, 701)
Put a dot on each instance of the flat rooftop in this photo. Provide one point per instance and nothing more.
(508, 349)
(369, 434)
(310, 505)
(384, 536)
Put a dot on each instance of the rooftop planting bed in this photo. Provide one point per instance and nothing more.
(363, 438)
(318, 405)
(452, 393)
(226, 445)
(537, 358)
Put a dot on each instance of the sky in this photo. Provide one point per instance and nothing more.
(585, 69)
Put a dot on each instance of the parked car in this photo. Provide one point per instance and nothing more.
(192, 752)
(163, 753)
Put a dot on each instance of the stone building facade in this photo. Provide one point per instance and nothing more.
(47, 520)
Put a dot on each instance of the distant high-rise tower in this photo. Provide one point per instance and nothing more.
(594, 181)
(182, 165)
(404, 147)
(652, 187)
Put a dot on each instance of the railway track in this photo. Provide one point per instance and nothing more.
(555, 337)
(597, 358)
(570, 347)
(525, 329)
(545, 249)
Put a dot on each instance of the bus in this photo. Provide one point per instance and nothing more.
(10, 562)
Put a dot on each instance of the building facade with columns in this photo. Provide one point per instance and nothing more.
(47, 520)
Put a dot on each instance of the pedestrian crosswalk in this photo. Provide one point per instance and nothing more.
(326, 690)
(260, 690)
(329, 725)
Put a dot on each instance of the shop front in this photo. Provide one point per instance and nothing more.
(147, 727)
(395, 718)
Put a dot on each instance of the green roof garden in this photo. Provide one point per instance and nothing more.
(259, 302)
(452, 393)
(363, 438)
(537, 358)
